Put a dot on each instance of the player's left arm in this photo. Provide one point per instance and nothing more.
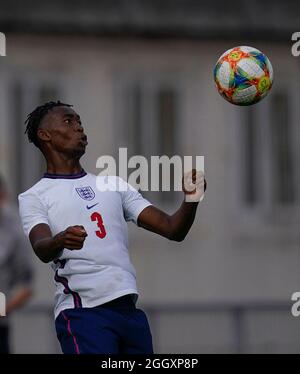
(176, 226)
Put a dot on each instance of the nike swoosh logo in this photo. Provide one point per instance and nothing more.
(92, 206)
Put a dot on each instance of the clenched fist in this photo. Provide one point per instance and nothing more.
(193, 186)
(72, 238)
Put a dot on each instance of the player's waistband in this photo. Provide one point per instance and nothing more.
(126, 301)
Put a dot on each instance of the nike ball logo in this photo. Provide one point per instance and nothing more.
(92, 206)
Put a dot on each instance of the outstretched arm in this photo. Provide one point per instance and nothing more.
(176, 226)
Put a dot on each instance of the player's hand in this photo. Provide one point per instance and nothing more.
(72, 238)
(194, 186)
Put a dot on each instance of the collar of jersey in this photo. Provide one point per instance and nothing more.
(65, 176)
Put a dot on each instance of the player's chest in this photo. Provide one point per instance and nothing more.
(83, 201)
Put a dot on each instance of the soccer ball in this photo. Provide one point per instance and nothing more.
(243, 75)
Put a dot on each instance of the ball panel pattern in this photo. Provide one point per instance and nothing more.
(243, 75)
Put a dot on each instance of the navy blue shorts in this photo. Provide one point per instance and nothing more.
(113, 328)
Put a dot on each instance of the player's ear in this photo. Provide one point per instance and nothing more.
(43, 135)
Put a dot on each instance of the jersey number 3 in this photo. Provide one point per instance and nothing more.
(101, 233)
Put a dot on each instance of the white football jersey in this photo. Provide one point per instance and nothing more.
(101, 271)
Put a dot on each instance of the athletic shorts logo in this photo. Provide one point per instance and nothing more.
(86, 193)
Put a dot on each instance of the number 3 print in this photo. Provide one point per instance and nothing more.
(97, 217)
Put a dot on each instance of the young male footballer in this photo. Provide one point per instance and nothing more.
(81, 229)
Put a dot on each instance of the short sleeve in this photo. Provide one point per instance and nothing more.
(32, 211)
(133, 202)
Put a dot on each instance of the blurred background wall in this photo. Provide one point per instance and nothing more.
(140, 75)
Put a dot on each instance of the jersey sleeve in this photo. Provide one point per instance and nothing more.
(32, 211)
(133, 202)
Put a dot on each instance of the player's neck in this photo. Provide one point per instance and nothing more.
(67, 168)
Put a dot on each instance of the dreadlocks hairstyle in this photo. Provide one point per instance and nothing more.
(34, 119)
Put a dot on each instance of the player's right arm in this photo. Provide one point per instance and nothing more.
(48, 247)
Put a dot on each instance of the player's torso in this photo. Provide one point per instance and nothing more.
(79, 202)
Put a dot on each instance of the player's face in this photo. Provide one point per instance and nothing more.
(66, 134)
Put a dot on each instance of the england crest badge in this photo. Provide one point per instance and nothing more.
(86, 193)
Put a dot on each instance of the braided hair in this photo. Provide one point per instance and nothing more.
(34, 119)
